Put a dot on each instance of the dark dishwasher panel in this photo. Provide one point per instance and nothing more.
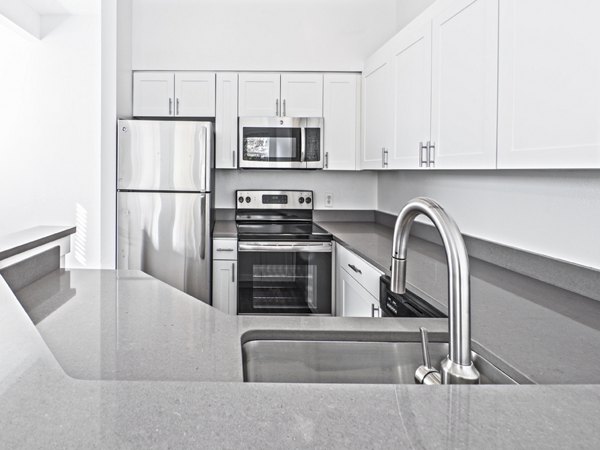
(404, 305)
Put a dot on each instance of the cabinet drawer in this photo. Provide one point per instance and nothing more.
(359, 269)
(225, 249)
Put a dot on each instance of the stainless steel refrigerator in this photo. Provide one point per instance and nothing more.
(164, 201)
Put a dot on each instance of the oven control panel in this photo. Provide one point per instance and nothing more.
(274, 199)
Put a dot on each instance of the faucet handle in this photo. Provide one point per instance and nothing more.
(426, 374)
(425, 346)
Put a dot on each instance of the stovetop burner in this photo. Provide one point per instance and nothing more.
(282, 231)
(277, 216)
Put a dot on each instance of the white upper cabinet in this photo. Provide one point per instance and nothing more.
(226, 121)
(153, 94)
(549, 86)
(412, 108)
(341, 116)
(195, 94)
(464, 85)
(174, 94)
(302, 95)
(378, 116)
(278, 95)
(259, 94)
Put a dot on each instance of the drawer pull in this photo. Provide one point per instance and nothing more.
(224, 249)
(356, 269)
(374, 310)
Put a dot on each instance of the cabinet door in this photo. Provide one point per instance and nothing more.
(465, 85)
(378, 119)
(549, 91)
(195, 94)
(259, 94)
(224, 288)
(302, 95)
(412, 82)
(341, 116)
(353, 299)
(153, 94)
(226, 121)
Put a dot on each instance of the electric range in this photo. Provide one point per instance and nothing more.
(284, 259)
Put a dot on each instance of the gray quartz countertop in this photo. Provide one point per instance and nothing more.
(117, 359)
(225, 229)
(21, 241)
(369, 240)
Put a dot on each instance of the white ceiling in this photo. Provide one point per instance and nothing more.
(60, 7)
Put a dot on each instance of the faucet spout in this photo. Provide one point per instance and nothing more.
(458, 367)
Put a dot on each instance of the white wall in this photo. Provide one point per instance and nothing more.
(351, 190)
(316, 35)
(553, 213)
(407, 10)
(50, 133)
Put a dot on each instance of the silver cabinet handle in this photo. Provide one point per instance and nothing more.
(356, 269)
(423, 154)
(283, 107)
(374, 309)
(431, 154)
(177, 106)
(276, 106)
(233, 272)
(233, 158)
(224, 249)
(170, 106)
(384, 157)
(327, 160)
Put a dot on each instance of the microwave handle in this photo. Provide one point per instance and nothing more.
(303, 144)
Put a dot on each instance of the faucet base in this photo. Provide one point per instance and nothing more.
(453, 373)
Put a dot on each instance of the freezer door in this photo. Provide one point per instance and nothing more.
(167, 235)
(157, 155)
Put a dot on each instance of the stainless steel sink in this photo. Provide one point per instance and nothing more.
(296, 361)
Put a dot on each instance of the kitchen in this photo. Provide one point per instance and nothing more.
(521, 186)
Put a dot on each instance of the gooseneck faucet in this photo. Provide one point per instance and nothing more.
(458, 366)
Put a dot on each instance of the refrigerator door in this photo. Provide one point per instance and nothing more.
(167, 235)
(157, 155)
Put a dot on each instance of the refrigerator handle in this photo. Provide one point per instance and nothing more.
(203, 219)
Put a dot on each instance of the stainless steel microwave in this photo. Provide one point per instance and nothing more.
(281, 143)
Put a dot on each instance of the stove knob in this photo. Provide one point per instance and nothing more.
(248, 199)
(308, 200)
(301, 200)
(241, 199)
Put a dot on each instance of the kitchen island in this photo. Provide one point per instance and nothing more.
(114, 359)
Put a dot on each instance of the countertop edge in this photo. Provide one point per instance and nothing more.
(29, 243)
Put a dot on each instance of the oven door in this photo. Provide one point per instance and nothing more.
(284, 278)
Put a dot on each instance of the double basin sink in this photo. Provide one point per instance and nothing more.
(337, 361)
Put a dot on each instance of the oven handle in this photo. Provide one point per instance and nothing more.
(295, 247)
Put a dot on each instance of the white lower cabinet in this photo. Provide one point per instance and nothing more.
(357, 285)
(224, 278)
(353, 299)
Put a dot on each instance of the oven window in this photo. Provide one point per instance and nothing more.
(272, 144)
(284, 283)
